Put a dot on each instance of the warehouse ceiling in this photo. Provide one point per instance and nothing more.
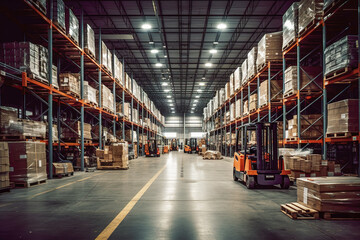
(183, 32)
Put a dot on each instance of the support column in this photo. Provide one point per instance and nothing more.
(100, 105)
(132, 113)
(82, 148)
(358, 157)
(284, 104)
(324, 106)
(269, 91)
(298, 94)
(50, 97)
(114, 92)
(184, 131)
(123, 100)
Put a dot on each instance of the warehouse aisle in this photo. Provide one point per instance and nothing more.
(189, 198)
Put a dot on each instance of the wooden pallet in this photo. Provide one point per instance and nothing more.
(73, 39)
(5, 189)
(61, 28)
(292, 139)
(26, 184)
(297, 211)
(287, 46)
(88, 52)
(340, 216)
(37, 4)
(64, 175)
(337, 73)
(108, 110)
(105, 69)
(311, 25)
(71, 93)
(341, 135)
(18, 137)
(90, 103)
(261, 67)
(37, 78)
(252, 110)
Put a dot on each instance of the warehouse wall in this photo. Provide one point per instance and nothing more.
(175, 123)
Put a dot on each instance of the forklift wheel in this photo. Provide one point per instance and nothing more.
(285, 184)
(234, 176)
(250, 182)
(158, 155)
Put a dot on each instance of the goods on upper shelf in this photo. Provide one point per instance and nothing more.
(70, 83)
(290, 25)
(312, 123)
(251, 62)
(72, 25)
(269, 49)
(307, 75)
(310, 11)
(343, 117)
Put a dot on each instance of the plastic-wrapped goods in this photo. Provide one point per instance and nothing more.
(41, 4)
(4, 165)
(72, 25)
(89, 40)
(330, 194)
(216, 101)
(117, 72)
(10, 124)
(23, 56)
(90, 93)
(341, 55)
(67, 133)
(121, 78)
(237, 79)
(238, 109)
(290, 25)
(55, 82)
(59, 13)
(275, 91)
(244, 72)
(269, 49)
(310, 11)
(107, 98)
(109, 61)
(27, 161)
(135, 116)
(305, 77)
(227, 91)
(252, 55)
(43, 62)
(328, 3)
(222, 96)
(231, 85)
(313, 132)
(104, 55)
(246, 108)
(54, 132)
(70, 83)
(205, 113)
(253, 102)
(232, 111)
(343, 116)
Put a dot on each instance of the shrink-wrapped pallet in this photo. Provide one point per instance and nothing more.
(231, 85)
(41, 4)
(55, 135)
(104, 55)
(222, 96)
(59, 13)
(107, 98)
(246, 108)
(310, 12)
(55, 81)
(290, 25)
(251, 57)
(342, 55)
(89, 40)
(27, 161)
(269, 49)
(237, 79)
(109, 61)
(90, 93)
(238, 109)
(253, 102)
(43, 63)
(244, 72)
(275, 92)
(70, 83)
(72, 25)
(216, 101)
(307, 74)
(232, 112)
(227, 91)
(343, 117)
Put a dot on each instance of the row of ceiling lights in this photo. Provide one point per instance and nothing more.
(147, 26)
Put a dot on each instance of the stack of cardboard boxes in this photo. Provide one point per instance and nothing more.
(114, 156)
(4, 166)
(307, 132)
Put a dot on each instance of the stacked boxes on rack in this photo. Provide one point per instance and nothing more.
(232, 112)
(90, 93)
(107, 98)
(74, 130)
(114, 156)
(54, 132)
(244, 72)
(4, 165)
(11, 125)
(246, 108)
(310, 11)
(308, 74)
(227, 91)
(275, 91)
(253, 102)
(343, 117)
(251, 61)
(70, 83)
(237, 79)
(238, 109)
(231, 85)
(290, 25)
(72, 25)
(89, 40)
(27, 162)
(311, 127)
(59, 13)
(269, 49)
(341, 55)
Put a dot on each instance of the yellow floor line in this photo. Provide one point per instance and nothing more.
(65, 185)
(106, 233)
(5, 204)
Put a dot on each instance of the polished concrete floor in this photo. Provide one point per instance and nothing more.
(190, 199)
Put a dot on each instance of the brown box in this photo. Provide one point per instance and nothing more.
(269, 49)
(331, 166)
(343, 116)
(100, 153)
(306, 75)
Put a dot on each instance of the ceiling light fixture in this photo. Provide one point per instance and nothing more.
(194, 104)
(164, 84)
(221, 26)
(158, 64)
(192, 108)
(165, 56)
(208, 64)
(168, 96)
(171, 104)
(192, 111)
(199, 90)
(173, 111)
(169, 100)
(197, 96)
(203, 78)
(154, 51)
(151, 42)
(146, 26)
(167, 90)
(196, 100)
(202, 84)
(172, 108)
(213, 51)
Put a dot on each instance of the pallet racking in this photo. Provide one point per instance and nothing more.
(41, 29)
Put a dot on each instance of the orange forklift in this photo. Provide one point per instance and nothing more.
(191, 146)
(258, 163)
(151, 148)
(174, 145)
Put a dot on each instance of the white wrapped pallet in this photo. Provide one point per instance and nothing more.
(252, 55)
(244, 72)
(237, 79)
